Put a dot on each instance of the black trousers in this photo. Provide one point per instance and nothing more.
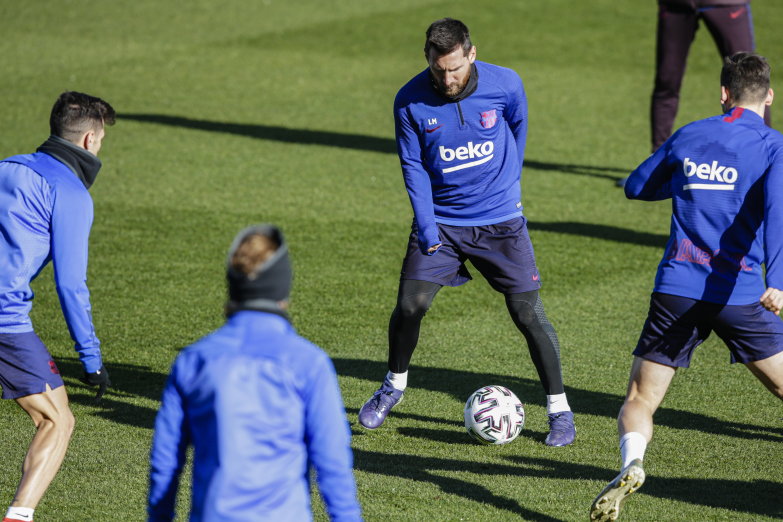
(414, 299)
(732, 29)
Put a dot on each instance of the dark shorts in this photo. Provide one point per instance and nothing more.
(676, 325)
(26, 366)
(501, 252)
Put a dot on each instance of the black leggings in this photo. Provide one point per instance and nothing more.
(414, 299)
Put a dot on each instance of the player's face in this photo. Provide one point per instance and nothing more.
(451, 71)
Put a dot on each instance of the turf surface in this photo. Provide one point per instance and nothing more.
(239, 112)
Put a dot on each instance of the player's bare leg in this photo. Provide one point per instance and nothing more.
(647, 386)
(646, 389)
(54, 425)
(770, 372)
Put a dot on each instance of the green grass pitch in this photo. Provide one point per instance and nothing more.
(243, 111)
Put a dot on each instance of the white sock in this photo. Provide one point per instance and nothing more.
(20, 513)
(557, 403)
(398, 380)
(632, 446)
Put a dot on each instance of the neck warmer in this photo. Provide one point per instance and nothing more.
(268, 284)
(82, 162)
(469, 89)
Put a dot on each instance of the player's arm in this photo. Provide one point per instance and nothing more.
(417, 180)
(328, 439)
(772, 299)
(515, 114)
(167, 457)
(72, 215)
(651, 181)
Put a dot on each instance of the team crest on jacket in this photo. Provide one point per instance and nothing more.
(488, 119)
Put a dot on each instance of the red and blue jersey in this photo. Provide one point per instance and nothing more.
(461, 160)
(725, 177)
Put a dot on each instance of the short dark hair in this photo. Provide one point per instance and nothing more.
(746, 76)
(445, 34)
(75, 113)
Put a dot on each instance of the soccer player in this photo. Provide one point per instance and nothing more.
(45, 214)
(259, 404)
(724, 175)
(461, 126)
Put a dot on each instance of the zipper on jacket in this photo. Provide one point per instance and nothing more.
(461, 119)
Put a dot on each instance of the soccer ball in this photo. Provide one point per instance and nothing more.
(494, 415)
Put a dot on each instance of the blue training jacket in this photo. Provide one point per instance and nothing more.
(725, 177)
(46, 214)
(462, 160)
(260, 405)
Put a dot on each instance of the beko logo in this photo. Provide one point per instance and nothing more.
(482, 151)
(722, 178)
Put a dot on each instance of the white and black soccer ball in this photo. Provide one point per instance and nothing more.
(494, 415)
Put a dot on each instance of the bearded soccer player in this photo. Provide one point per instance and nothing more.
(724, 176)
(45, 214)
(461, 126)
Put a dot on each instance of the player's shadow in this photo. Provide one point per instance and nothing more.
(340, 139)
(607, 232)
(460, 384)
(128, 382)
(429, 469)
(757, 497)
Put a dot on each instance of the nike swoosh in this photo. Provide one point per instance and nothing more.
(433, 130)
(736, 14)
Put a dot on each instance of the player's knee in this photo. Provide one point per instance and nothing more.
(414, 307)
(60, 421)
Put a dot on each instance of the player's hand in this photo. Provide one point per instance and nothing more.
(99, 379)
(772, 300)
(431, 250)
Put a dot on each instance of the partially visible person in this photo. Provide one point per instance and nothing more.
(461, 129)
(731, 25)
(724, 175)
(259, 404)
(46, 213)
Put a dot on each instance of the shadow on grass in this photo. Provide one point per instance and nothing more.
(128, 381)
(460, 384)
(607, 232)
(342, 140)
(425, 469)
(756, 497)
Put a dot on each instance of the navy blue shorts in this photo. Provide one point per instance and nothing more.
(676, 325)
(502, 253)
(26, 366)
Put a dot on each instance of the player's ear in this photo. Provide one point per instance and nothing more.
(724, 95)
(770, 96)
(472, 54)
(87, 139)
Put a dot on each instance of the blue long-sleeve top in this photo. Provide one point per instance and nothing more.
(260, 405)
(724, 175)
(462, 160)
(46, 214)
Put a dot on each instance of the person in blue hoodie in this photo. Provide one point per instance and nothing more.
(461, 126)
(46, 214)
(724, 175)
(259, 404)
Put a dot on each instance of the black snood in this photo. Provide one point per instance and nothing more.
(268, 285)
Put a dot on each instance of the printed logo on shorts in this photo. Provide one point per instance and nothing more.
(53, 368)
(488, 119)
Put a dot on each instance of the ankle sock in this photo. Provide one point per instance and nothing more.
(632, 447)
(399, 381)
